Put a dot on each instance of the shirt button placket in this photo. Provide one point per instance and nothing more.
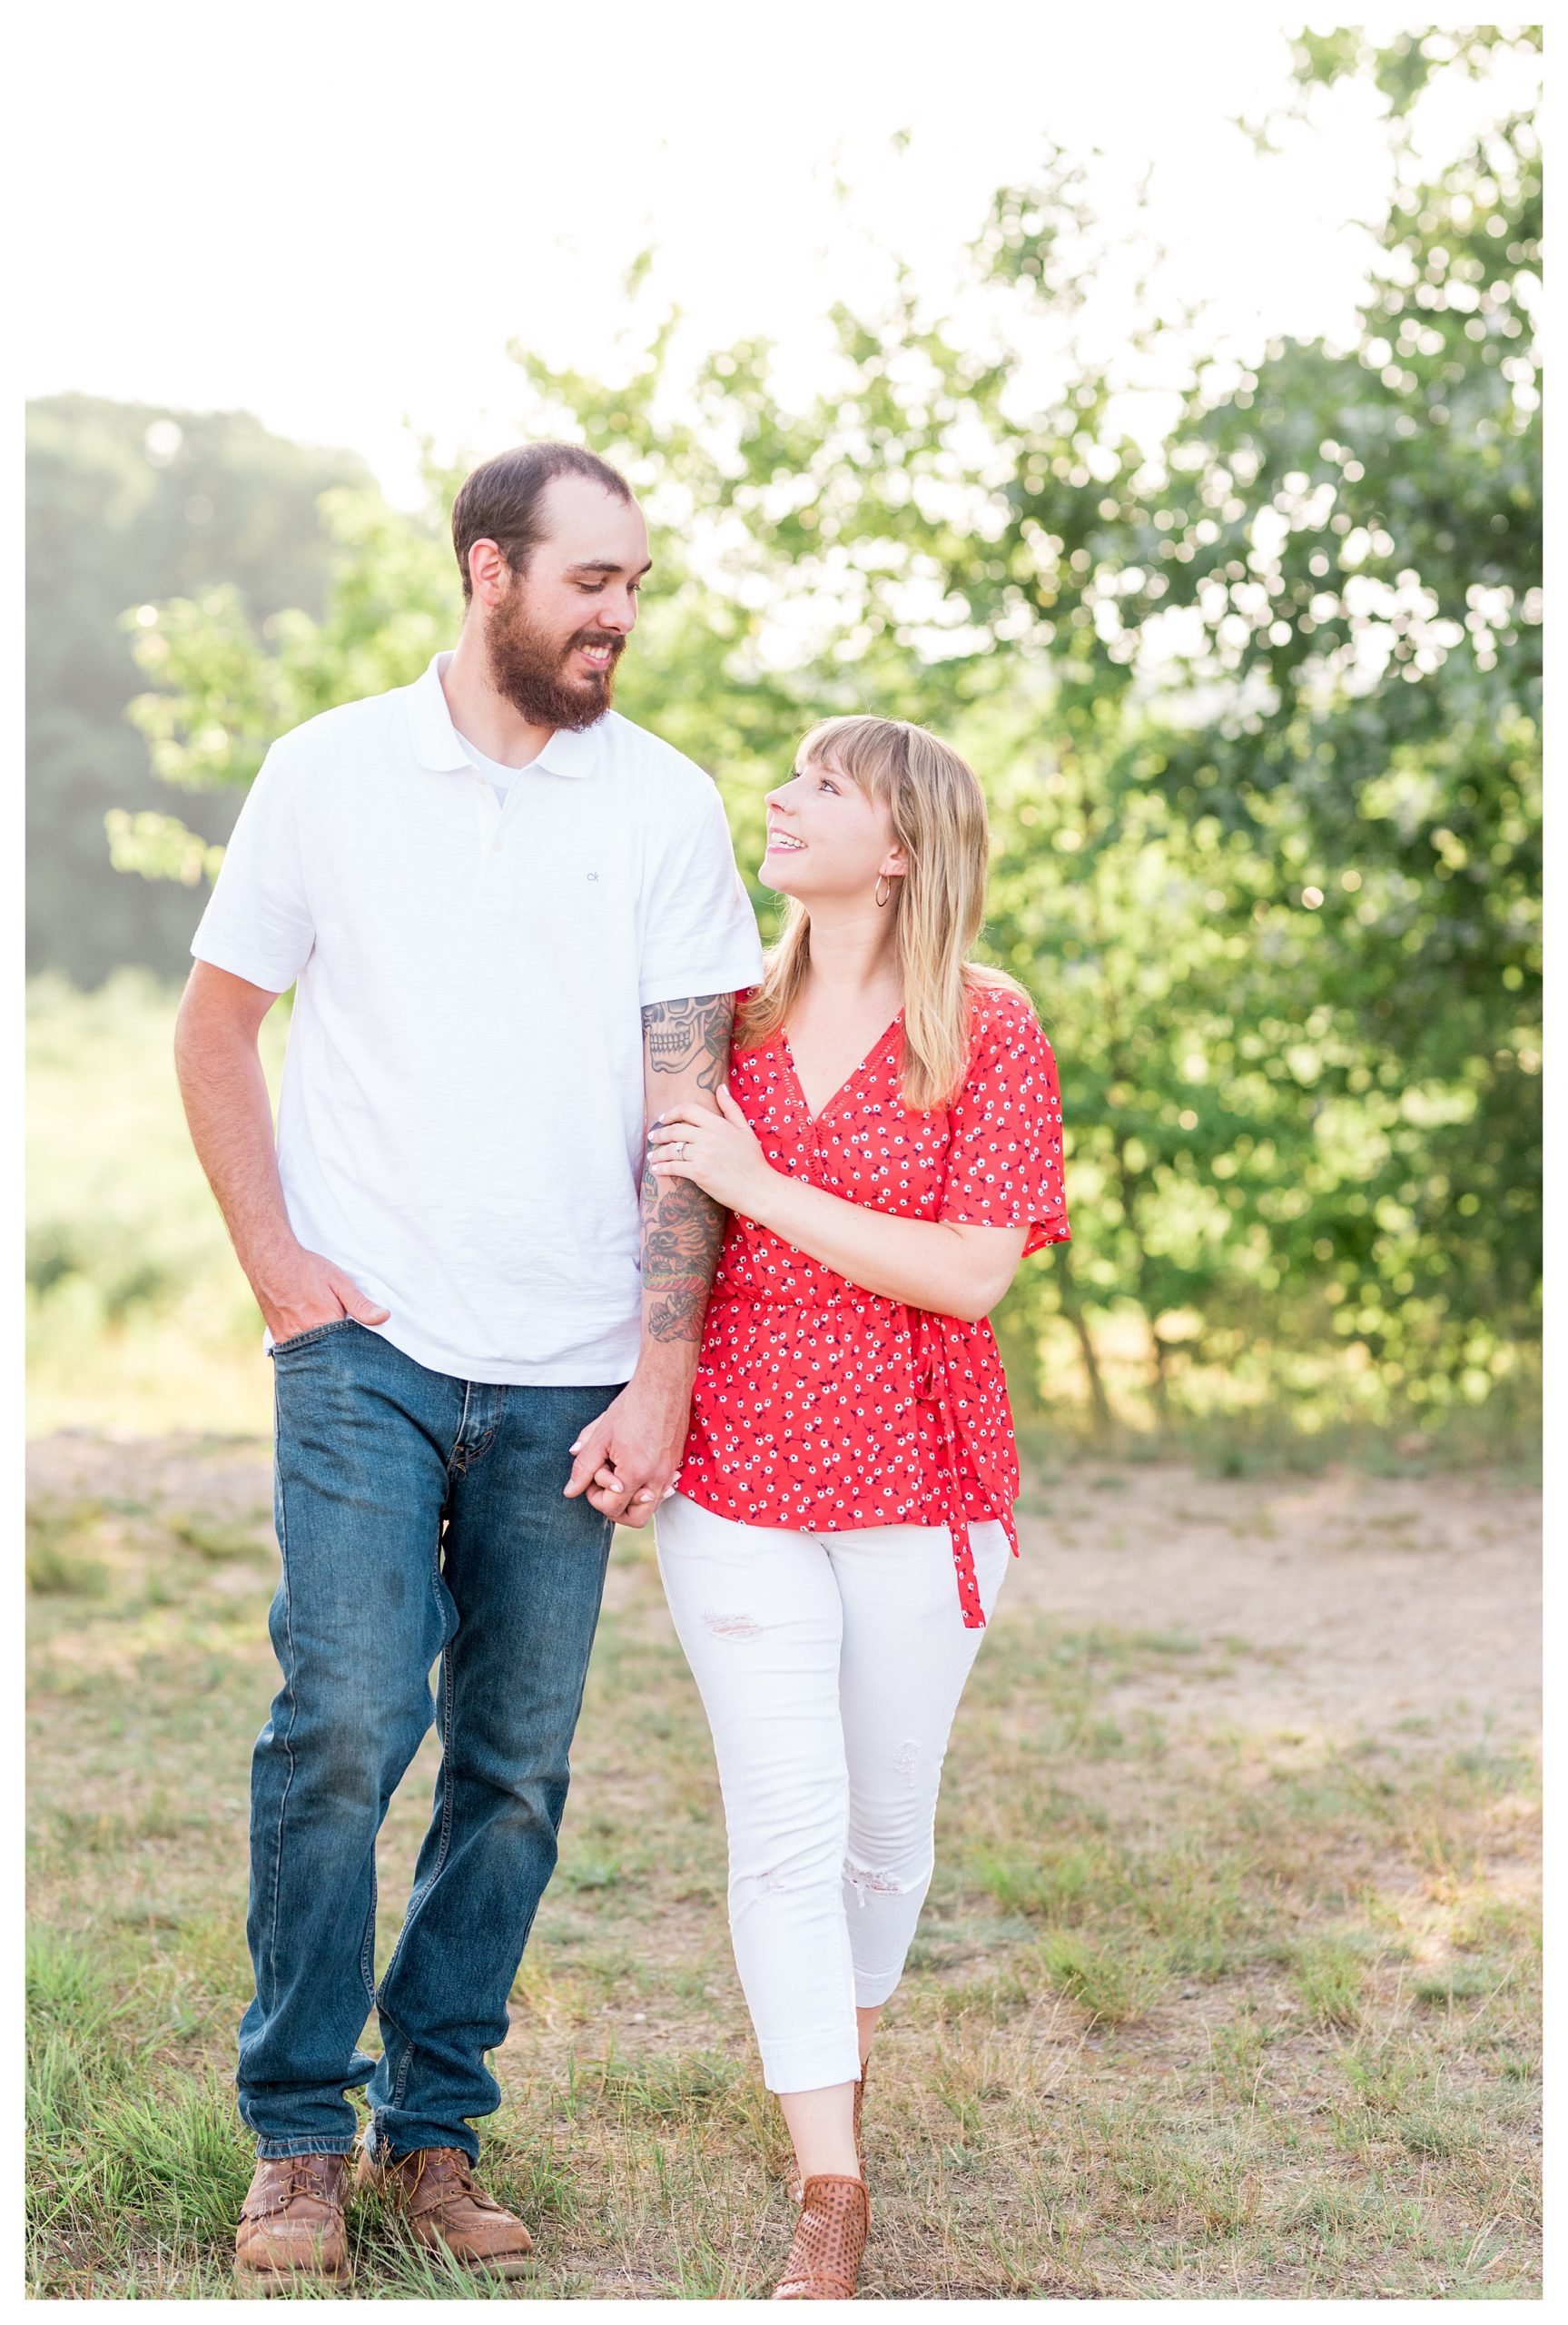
(495, 866)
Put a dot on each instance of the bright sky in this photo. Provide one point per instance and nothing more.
(337, 216)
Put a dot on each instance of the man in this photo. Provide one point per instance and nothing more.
(516, 926)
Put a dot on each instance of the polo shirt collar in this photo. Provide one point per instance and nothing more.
(569, 752)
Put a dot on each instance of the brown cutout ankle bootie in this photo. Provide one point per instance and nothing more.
(830, 2235)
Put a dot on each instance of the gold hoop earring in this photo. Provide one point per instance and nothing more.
(882, 900)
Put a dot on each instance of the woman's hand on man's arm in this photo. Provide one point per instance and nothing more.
(625, 1458)
(949, 1266)
(718, 1153)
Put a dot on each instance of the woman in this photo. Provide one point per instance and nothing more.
(888, 1148)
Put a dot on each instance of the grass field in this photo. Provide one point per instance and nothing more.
(138, 1318)
(1228, 1984)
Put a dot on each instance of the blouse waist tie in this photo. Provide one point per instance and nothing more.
(931, 1381)
(933, 1386)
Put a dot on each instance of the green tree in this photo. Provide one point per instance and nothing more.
(1339, 556)
(1258, 712)
(128, 503)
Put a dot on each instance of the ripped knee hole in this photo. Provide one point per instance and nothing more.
(730, 1625)
(875, 1883)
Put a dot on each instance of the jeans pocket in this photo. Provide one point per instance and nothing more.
(316, 1332)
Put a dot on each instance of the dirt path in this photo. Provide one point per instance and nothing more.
(1366, 1603)
(1336, 1604)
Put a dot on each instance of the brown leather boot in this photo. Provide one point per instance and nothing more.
(292, 2223)
(830, 2236)
(434, 2189)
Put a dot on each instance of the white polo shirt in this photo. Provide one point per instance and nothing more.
(461, 1119)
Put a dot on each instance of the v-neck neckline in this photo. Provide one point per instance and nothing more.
(852, 1075)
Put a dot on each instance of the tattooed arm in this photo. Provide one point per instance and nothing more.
(685, 1051)
(628, 1456)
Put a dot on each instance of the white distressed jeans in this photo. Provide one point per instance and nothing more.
(830, 1667)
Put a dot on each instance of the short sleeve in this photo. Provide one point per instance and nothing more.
(258, 924)
(700, 933)
(1004, 1164)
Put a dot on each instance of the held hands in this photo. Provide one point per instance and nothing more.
(626, 1458)
(719, 1153)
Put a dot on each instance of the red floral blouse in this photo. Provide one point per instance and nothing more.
(822, 1407)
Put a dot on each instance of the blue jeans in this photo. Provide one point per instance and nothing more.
(420, 1520)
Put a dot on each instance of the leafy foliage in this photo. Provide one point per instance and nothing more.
(128, 503)
(1258, 709)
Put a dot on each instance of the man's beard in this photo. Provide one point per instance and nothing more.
(530, 669)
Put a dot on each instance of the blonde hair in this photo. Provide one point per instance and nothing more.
(939, 820)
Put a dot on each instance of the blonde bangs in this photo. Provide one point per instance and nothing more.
(939, 820)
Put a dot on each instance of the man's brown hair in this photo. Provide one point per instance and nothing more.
(499, 501)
